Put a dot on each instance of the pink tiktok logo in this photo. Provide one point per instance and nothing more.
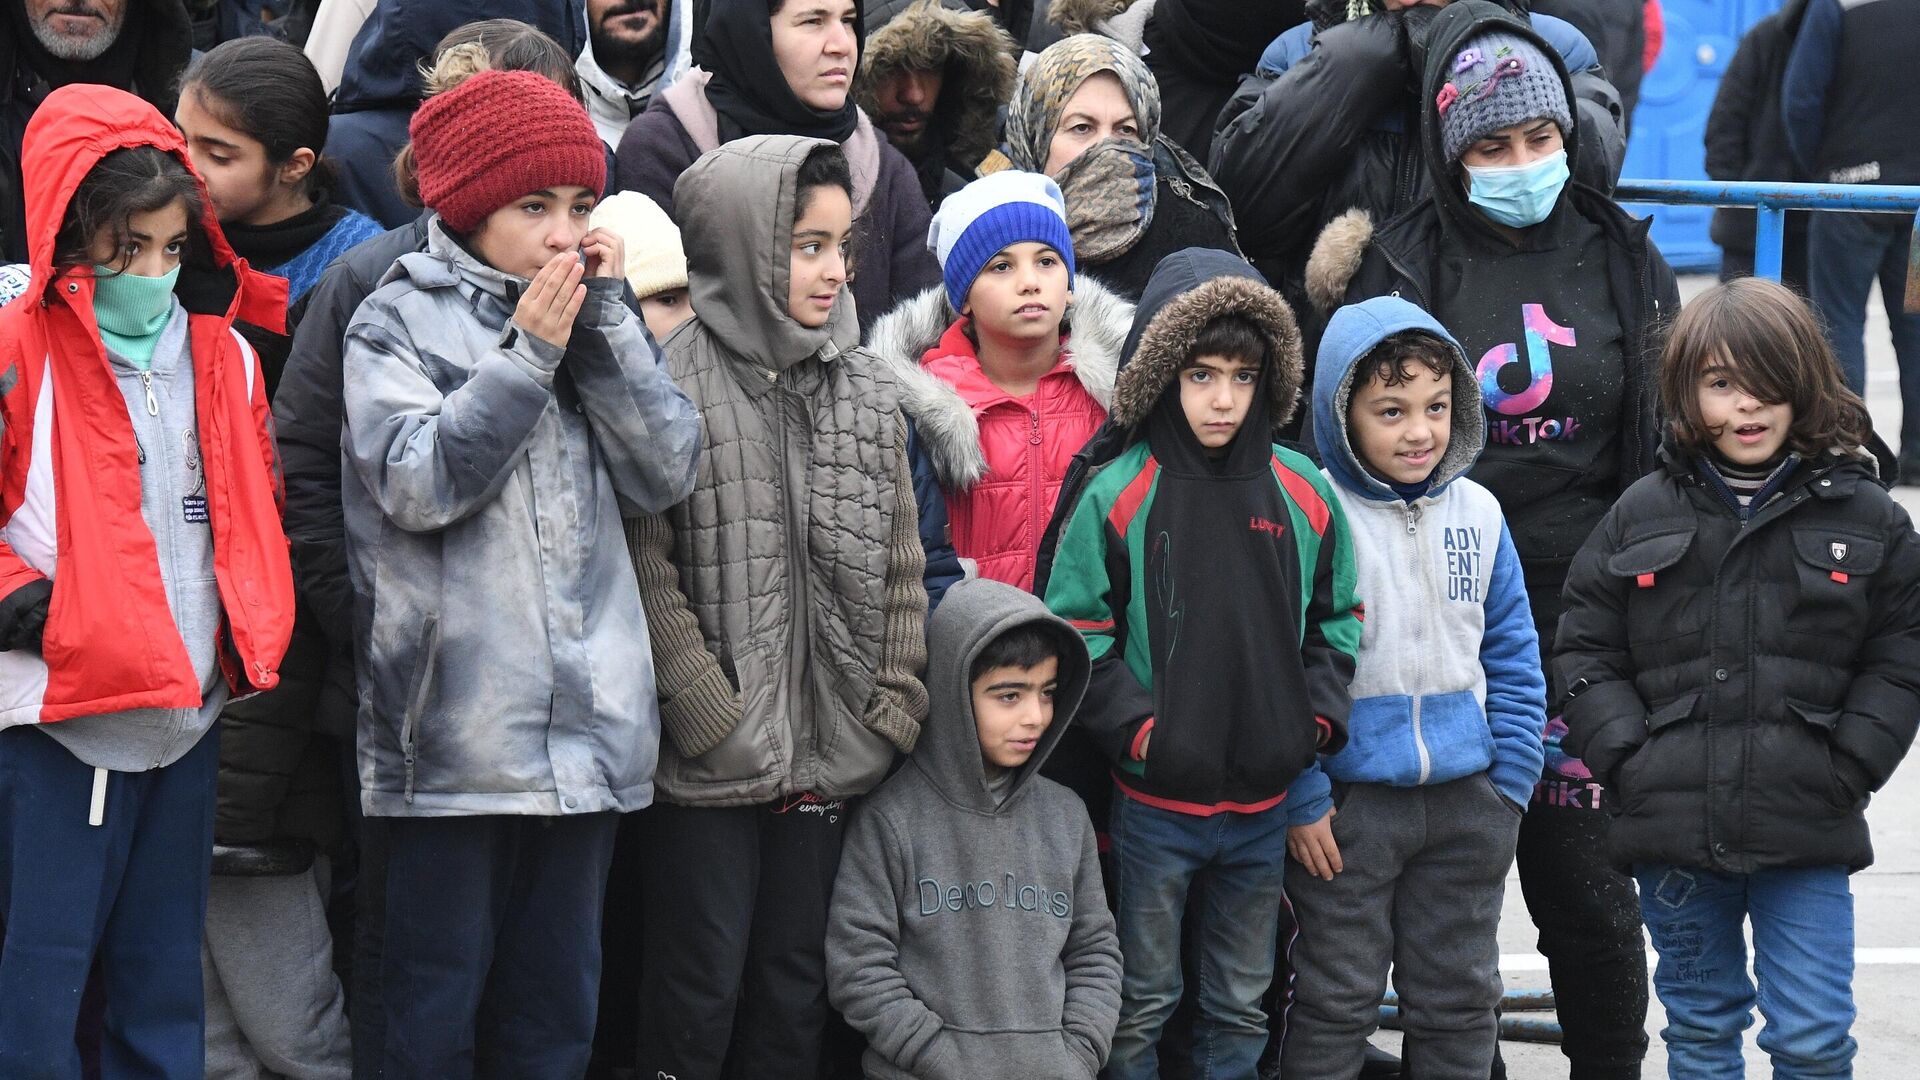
(1541, 332)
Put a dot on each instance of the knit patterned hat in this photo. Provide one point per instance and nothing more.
(656, 261)
(995, 211)
(1499, 79)
(498, 136)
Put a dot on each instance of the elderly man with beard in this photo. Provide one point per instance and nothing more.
(136, 45)
(634, 47)
(934, 80)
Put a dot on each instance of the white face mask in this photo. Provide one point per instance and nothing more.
(1518, 195)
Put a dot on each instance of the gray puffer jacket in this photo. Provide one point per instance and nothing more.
(785, 594)
(503, 649)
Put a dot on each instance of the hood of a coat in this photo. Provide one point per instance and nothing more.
(1097, 326)
(383, 65)
(978, 58)
(1350, 336)
(1457, 24)
(737, 207)
(70, 132)
(1188, 290)
(974, 613)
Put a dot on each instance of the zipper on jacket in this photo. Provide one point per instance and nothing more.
(1036, 480)
(153, 403)
(1419, 568)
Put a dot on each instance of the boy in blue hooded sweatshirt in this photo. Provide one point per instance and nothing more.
(1449, 702)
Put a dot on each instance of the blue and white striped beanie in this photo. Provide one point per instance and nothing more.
(993, 213)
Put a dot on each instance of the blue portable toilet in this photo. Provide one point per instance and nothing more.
(1670, 124)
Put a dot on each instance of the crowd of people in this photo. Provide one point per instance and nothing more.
(729, 539)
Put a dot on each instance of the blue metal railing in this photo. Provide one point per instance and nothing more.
(1770, 203)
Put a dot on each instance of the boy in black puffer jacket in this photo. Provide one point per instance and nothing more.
(1741, 659)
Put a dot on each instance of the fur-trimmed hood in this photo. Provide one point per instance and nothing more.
(1336, 258)
(1188, 290)
(1124, 21)
(1097, 323)
(978, 58)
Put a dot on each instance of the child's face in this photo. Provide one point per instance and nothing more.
(819, 262)
(1021, 294)
(1745, 430)
(153, 245)
(1215, 392)
(665, 311)
(245, 188)
(1401, 432)
(523, 236)
(1012, 708)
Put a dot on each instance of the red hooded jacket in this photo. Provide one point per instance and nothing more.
(69, 466)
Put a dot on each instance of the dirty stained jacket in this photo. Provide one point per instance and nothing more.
(785, 593)
(503, 661)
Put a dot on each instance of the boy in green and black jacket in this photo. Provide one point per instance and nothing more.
(1213, 577)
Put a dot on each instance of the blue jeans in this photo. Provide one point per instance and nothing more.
(1802, 954)
(1845, 253)
(131, 890)
(1157, 853)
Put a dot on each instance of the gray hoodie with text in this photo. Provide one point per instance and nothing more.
(969, 934)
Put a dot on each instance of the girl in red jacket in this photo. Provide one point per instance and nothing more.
(143, 580)
(999, 398)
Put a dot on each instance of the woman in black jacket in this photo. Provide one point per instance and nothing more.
(1741, 658)
(1558, 296)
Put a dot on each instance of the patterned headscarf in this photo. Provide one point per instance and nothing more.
(1055, 75)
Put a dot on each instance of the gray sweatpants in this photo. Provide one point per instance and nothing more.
(1425, 872)
(273, 1003)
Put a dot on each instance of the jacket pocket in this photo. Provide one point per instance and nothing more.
(751, 748)
(419, 692)
(1656, 615)
(1832, 573)
(1807, 765)
(1660, 763)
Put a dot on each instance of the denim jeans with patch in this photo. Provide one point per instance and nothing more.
(1157, 854)
(1802, 956)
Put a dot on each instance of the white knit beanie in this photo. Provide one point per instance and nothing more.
(656, 261)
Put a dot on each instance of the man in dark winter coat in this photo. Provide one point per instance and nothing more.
(1330, 122)
(1026, 20)
(381, 86)
(1747, 140)
(1852, 118)
(137, 45)
(934, 80)
(1618, 31)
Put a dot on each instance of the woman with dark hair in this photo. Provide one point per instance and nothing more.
(1087, 113)
(785, 67)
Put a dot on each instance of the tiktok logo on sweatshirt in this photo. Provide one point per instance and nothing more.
(1523, 429)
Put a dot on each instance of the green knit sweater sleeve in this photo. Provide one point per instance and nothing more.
(699, 706)
(899, 703)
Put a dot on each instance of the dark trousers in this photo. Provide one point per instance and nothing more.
(734, 923)
(491, 951)
(132, 889)
(1845, 254)
(1588, 915)
(366, 1018)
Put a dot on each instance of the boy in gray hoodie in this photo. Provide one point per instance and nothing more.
(969, 933)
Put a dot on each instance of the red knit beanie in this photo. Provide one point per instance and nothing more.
(498, 136)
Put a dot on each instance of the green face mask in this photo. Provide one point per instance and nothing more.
(130, 305)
